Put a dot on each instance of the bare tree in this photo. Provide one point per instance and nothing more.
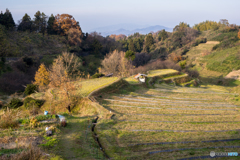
(116, 63)
(64, 68)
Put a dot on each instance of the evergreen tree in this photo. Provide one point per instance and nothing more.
(138, 43)
(130, 55)
(148, 42)
(131, 45)
(162, 35)
(40, 22)
(25, 23)
(50, 24)
(1, 18)
(96, 46)
(7, 20)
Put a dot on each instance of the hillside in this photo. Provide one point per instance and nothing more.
(66, 94)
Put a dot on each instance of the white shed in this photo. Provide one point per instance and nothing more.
(141, 77)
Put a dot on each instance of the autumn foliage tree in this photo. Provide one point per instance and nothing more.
(74, 36)
(64, 22)
(42, 76)
(176, 58)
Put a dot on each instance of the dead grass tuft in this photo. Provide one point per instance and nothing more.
(8, 120)
(33, 153)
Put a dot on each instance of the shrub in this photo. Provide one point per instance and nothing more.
(97, 75)
(31, 101)
(49, 142)
(198, 41)
(34, 123)
(226, 43)
(31, 88)
(44, 117)
(15, 103)
(182, 80)
(176, 58)
(192, 73)
(183, 64)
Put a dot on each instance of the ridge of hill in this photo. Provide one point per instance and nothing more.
(127, 32)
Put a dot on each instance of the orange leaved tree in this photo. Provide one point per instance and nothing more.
(42, 76)
(64, 22)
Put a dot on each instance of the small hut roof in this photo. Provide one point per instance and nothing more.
(139, 74)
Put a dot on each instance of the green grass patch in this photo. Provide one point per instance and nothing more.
(10, 151)
(131, 80)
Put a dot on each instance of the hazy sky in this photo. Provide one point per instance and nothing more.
(98, 13)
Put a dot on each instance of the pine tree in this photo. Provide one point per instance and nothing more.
(131, 45)
(1, 18)
(42, 76)
(7, 20)
(50, 24)
(148, 42)
(25, 23)
(40, 22)
(162, 35)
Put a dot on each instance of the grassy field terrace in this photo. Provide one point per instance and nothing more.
(169, 122)
(163, 74)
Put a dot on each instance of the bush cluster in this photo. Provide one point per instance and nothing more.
(183, 64)
(44, 117)
(226, 43)
(192, 73)
(97, 75)
(14, 103)
(198, 41)
(29, 102)
(31, 88)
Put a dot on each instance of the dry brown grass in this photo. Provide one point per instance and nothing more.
(205, 53)
(8, 119)
(32, 153)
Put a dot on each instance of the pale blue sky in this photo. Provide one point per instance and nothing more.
(98, 13)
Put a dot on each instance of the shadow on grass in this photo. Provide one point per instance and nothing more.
(220, 81)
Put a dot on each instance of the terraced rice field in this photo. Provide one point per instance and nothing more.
(153, 73)
(169, 123)
(161, 72)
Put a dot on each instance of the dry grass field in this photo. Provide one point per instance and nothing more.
(169, 122)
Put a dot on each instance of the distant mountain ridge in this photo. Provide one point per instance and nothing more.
(108, 30)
